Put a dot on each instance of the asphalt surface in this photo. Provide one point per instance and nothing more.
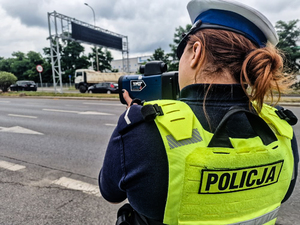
(59, 158)
(56, 182)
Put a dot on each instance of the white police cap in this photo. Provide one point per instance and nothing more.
(230, 15)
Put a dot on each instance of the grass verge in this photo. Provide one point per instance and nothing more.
(293, 98)
(53, 94)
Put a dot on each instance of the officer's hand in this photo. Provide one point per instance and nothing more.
(127, 98)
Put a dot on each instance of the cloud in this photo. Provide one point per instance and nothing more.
(28, 12)
(277, 9)
(16, 36)
(148, 24)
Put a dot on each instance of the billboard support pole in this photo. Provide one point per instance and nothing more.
(54, 52)
(125, 55)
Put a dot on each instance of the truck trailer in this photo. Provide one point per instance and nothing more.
(86, 77)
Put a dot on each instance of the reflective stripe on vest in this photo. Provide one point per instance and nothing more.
(218, 185)
(261, 219)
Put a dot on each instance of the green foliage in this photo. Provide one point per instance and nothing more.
(171, 58)
(289, 35)
(72, 58)
(179, 32)
(104, 59)
(6, 79)
(159, 55)
(23, 66)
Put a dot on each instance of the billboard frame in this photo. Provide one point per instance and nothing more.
(60, 28)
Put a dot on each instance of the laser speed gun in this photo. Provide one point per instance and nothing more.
(153, 83)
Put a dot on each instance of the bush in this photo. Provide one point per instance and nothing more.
(6, 79)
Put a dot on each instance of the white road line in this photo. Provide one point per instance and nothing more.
(4, 101)
(59, 110)
(78, 185)
(15, 115)
(109, 104)
(78, 112)
(110, 125)
(11, 166)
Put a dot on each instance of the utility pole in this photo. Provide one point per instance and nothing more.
(97, 60)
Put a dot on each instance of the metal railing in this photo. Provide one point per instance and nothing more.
(50, 85)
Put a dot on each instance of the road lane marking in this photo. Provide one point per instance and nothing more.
(78, 112)
(15, 115)
(78, 185)
(59, 110)
(11, 166)
(95, 113)
(110, 125)
(18, 129)
(4, 101)
(97, 103)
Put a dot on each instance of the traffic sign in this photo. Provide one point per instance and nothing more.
(39, 68)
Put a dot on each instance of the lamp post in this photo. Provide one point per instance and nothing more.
(97, 61)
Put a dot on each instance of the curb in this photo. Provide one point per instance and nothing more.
(60, 97)
(292, 104)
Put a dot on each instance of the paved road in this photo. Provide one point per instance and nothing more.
(50, 154)
(59, 145)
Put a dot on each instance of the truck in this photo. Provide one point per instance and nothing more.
(86, 77)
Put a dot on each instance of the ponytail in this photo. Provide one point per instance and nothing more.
(262, 71)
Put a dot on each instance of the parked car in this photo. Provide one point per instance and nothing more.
(104, 87)
(23, 85)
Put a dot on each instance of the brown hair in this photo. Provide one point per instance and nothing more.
(259, 68)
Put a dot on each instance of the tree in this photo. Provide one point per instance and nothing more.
(5, 64)
(171, 59)
(104, 59)
(33, 59)
(159, 55)
(289, 35)
(19, 65)
(72, 58)
(179, 32)
(6, 79)
(23, 66)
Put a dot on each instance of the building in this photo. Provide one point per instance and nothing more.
(134, 64)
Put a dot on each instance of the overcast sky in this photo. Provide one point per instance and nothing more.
(148, 24)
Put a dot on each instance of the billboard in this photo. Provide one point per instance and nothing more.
(87, 34)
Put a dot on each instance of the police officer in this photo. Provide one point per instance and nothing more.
(219, 155)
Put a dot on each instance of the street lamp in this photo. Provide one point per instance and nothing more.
(97, 61)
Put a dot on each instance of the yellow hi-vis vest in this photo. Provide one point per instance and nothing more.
(243, 185)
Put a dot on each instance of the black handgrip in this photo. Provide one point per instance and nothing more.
(260, 127)
(124, 214)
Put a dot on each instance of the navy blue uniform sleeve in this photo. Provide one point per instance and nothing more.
(111, 173)
(136, 166)
(113, 170)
